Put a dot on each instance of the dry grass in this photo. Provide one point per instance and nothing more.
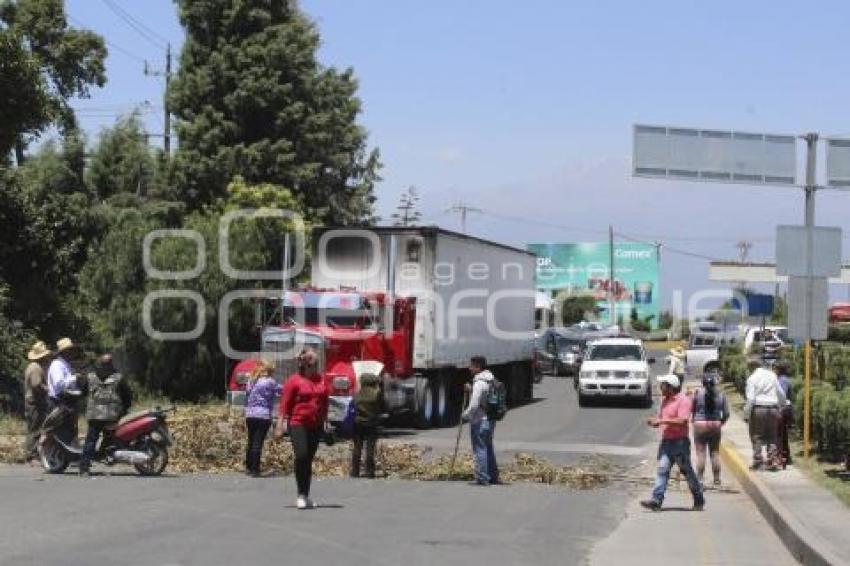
(211, 439)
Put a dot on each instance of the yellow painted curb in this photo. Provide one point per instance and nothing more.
(806, 547)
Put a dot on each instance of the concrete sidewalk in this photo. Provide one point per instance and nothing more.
(811, 522)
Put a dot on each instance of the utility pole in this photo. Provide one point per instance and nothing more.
(461, 208)
(166, 119)
(612, 304)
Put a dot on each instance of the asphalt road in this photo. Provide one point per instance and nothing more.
(225, 520)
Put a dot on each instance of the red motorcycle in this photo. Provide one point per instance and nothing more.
(140, 439)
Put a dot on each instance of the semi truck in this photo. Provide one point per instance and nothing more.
(411, 305)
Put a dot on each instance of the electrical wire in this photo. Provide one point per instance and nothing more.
(114, 46)
(139, 27)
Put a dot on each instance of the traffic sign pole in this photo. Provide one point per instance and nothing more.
(811, 165)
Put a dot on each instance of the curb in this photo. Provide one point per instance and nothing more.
(806, 547)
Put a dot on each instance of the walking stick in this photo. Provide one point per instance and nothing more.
(457, 442)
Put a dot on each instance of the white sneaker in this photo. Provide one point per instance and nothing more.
(301, 502)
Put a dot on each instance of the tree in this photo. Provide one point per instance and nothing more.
(250, 99)
(407, 214)
(121, 162)
(575, 309)
(43, 63)
(113, 285)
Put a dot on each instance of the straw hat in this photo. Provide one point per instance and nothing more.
(678, 351)
(38, 352)
(64, 344)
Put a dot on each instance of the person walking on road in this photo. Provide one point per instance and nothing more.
(35, 395)
(786, 413)
(675, 447)
(765, 398)
(710, 412)
(260, 392)
(109, 399)
(480, 426)
(303, 412)
(368, 407)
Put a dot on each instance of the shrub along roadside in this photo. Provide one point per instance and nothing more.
(830, 394)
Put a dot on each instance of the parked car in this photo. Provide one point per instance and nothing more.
(615, 367)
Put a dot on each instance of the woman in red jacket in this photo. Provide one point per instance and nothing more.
(303, 411)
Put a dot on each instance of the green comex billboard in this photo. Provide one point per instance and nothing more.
(583, 269)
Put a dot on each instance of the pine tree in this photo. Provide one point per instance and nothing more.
(251, 100)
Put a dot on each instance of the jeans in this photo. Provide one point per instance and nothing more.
(368, 435)
(92, 436)
(305, 443)
(35, 415)
(486, 468)
(257, 430)
(676, 451)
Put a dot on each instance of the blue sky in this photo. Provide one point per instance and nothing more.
(525, 109)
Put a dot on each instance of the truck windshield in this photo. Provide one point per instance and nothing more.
(616, 352)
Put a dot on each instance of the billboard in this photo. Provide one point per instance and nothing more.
(583, 269)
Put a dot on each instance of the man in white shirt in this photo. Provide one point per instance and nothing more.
(765, 398)
(60, 374)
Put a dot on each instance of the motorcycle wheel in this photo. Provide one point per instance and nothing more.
(157, 462)
(53, 458)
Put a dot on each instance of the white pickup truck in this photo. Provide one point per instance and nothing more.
(703, 354)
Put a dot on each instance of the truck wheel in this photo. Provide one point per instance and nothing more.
(583, 400)
(442, 402)
(424, 403)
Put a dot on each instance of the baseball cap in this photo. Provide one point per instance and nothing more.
(672, 380)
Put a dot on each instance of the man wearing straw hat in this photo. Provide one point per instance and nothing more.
(60, 374)
(35, 395)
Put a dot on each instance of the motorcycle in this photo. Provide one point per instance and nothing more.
(140, 439)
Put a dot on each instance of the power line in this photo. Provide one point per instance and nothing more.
(114, 46)
(143, 30)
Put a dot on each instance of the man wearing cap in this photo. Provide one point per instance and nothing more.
(35, 395)
(673, 416)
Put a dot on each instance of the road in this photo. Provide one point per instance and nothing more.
(227, 519)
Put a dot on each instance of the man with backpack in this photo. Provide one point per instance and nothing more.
(485, 407)
(109, 398)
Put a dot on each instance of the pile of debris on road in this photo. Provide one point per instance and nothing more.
(214, 441)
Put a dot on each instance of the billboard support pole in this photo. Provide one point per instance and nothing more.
(811, 163)
(612, 305)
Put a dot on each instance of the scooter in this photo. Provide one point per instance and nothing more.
(140, 439)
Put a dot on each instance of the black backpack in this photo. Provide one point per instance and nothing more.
(496, 403)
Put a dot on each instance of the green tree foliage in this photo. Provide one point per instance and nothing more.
(252, 100)
(43, 63)
(576, 308)
(122, 161)
(113, 287)
(48, 224)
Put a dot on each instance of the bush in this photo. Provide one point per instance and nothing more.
(733, 366)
